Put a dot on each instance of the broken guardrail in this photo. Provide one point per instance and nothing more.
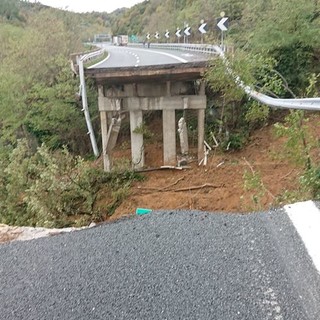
(80, 61)
(312, 104)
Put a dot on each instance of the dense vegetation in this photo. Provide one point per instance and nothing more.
(274, 46)
(44, 181)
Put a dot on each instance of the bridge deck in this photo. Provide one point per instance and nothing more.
(169, 72)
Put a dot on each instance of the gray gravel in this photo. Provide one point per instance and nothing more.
(166, 265)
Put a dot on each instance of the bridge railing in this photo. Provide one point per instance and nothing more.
(92, 55)
(77, 64)
(303, 104)
(195, 47)
(85, 57)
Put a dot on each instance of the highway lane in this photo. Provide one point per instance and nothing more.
(144, 56)
(165, 265)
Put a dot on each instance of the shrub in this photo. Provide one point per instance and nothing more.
(57, 189)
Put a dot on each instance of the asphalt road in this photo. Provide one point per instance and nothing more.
(144, 56)
(165, 265)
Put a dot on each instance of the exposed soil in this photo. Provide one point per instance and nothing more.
(219, 186)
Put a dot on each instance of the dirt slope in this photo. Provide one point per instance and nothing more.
(219, 186)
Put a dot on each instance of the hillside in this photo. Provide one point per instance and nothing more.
(260, 176)
(47, 174)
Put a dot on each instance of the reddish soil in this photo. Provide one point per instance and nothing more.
(219, 186)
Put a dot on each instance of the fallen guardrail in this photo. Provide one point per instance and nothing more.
(312, 104)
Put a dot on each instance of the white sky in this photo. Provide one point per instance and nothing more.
(89, 5)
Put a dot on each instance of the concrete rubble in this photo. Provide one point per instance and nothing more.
(11, 233)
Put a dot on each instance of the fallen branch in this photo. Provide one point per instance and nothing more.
(162, 168)
(206, 185)
(287, 175)
(173, 184)
(164, 188)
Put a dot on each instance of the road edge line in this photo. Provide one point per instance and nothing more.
(305, 217)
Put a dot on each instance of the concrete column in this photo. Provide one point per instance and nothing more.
(137, 147)
(201, 119)
(183, 135)
(169, 137)
(100, 97)
(104, 134)
(168, 83)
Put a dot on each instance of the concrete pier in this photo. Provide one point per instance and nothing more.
(137, 146)
(169, 137)
(163, 92)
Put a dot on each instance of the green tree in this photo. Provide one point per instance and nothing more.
(9, 9)
(286, 30)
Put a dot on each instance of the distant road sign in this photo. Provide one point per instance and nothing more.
(148, 36)
(157, 35)
(221, 24)
(178, 33)
(187, 31)
(133, 38)
(167, 34)
(202, 28)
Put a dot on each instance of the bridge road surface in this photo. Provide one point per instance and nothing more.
(143, 56)
(165, 265)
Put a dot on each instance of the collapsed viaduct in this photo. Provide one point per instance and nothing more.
(148, 88)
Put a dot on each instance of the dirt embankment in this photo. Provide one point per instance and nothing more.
(219, 186)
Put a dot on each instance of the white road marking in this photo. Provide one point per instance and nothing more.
(305, 216)
(171, 55)
(136, 56)
(163, 53)
(97, 64)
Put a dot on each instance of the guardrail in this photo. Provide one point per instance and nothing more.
(302, 104)
(80, 61)
(311, 104)
(195, 47)
(91, 55)
(84, 56)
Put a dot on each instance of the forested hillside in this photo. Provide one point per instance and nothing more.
(44, 179)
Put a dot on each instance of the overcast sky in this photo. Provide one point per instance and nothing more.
(89, 5)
